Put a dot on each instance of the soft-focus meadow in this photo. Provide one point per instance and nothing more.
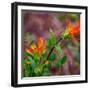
(51, 43)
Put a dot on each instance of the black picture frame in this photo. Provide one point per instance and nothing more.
(14, 43)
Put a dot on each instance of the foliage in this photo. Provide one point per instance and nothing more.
(40, 56)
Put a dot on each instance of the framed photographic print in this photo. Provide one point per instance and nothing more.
(49, 44)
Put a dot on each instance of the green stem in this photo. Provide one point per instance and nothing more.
(53, 48)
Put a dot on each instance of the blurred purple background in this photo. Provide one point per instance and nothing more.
(39, 23)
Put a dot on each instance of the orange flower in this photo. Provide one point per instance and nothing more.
(31, 49)
(41, 45)
(74, 29)
(40, 48)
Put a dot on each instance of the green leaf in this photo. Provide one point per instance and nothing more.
(27, 69)
(52, 57)
(44, 55)
(61, 61)
(36, 57)
(38, 70)
(46, 72)
(74, 16)
(52, 40)
(33, 64)
(28, 54)
(62, 18)
(66, 34)
(58, 48)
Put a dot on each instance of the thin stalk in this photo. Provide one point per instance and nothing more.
(53, 48)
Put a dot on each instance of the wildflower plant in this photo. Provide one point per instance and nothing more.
(45, 56)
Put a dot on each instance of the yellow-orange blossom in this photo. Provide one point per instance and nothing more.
(39, 48)
(74, 29)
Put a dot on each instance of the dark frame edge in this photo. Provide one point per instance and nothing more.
(86, 38)
(50, 5)
(52, 83)
(13, 45)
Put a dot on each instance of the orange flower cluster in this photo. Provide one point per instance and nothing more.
(39, 48)
(74, 29)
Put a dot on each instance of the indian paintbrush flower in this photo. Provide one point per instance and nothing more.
(72, 30)
(39, 48)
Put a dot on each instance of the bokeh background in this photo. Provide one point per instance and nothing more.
(36, 24)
